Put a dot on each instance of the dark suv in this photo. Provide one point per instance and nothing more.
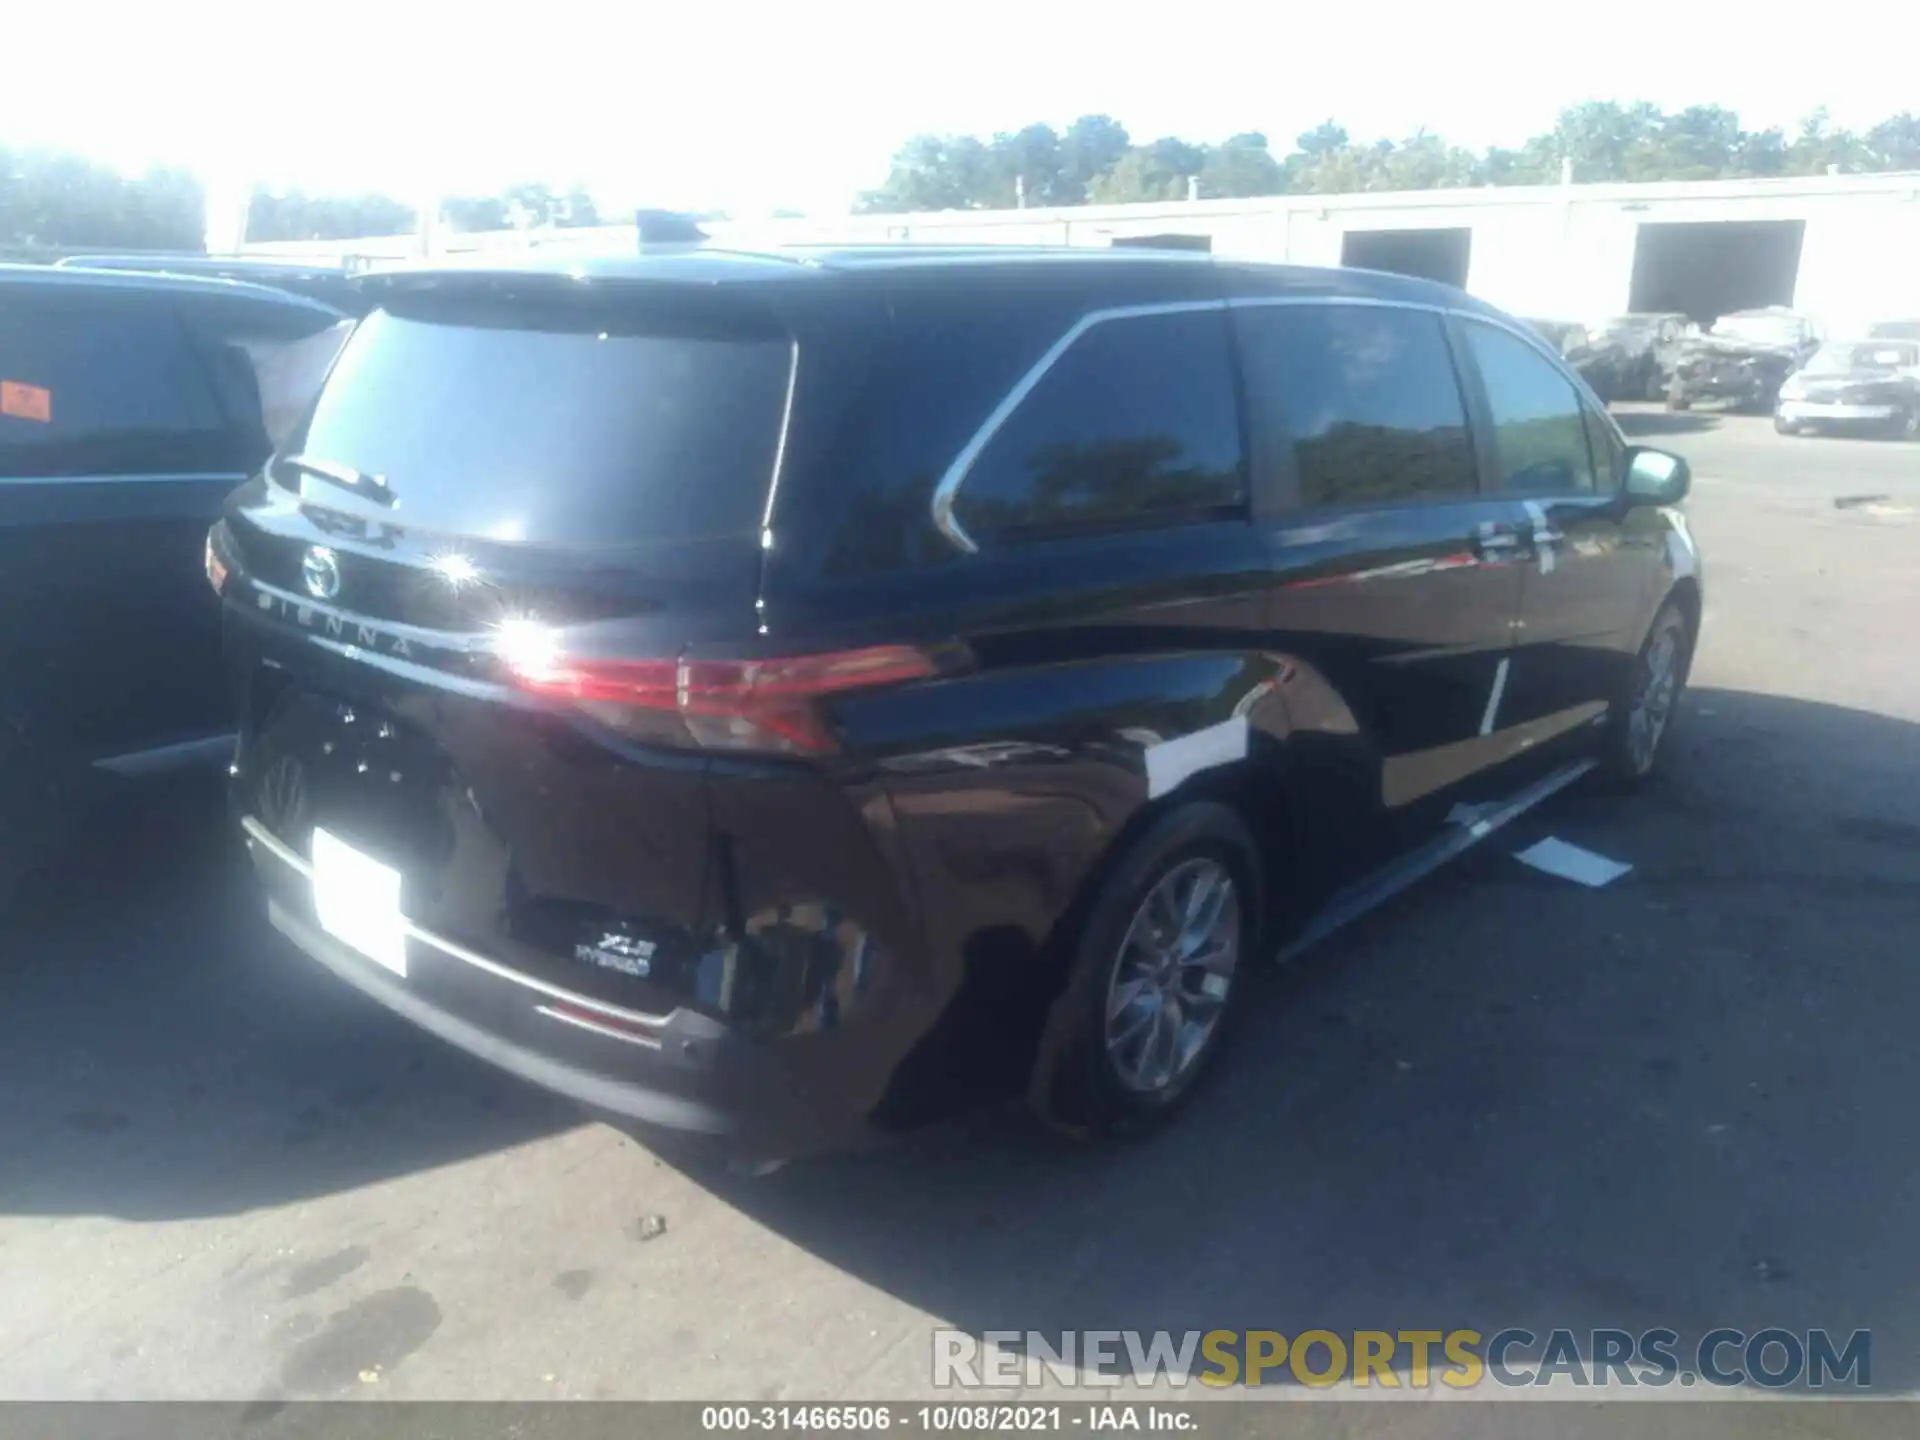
(130, 407)
(788, 697)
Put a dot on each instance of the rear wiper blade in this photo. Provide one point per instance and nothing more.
(372, 487)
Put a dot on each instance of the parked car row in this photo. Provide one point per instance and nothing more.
(1767, 361)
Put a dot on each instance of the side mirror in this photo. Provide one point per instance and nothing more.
(1655, 477)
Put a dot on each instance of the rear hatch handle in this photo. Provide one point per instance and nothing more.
(371, 487)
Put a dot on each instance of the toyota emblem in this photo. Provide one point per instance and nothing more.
(320, 569)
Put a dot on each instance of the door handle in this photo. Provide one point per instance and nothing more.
(1495, 544)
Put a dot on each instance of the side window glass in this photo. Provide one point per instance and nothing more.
(1368, 394)
(1540, 438)
(103, 385)
(1609, 455)
(1134, 425)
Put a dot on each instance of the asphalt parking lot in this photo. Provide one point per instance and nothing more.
(1685, 1099)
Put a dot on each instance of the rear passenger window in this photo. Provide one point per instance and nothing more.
(1539, 437)
(1134, 425)
(1609, 455)
(102, 385)
(1368, 394)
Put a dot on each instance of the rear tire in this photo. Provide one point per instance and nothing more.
(1644, 715)
(1907, 427)
(1160, 966)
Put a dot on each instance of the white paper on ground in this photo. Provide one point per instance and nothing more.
(1570, 862)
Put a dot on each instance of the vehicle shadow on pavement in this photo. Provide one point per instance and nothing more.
(165, 1055)
(1682, 1100)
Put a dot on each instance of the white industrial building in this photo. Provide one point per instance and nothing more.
(1843, 248)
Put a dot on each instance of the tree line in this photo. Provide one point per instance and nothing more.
(52, 202)
(296, 215)
(1095, 160)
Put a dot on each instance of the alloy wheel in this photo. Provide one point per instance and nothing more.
(1659, 682)
(1169, 987)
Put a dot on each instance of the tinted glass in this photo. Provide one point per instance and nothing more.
(1610, 456)
(558, 434)
(1368, 394)
(267, 362)
(1135, 424)
(1539, 440)
(99, 384)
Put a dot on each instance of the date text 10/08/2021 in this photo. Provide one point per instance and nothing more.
(938, 1418)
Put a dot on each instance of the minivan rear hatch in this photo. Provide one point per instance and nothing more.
(493, 457)
(489, 446)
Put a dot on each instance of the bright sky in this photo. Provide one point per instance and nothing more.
(711, 104)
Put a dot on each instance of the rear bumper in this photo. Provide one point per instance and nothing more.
(1802, 411)
(682, 1071)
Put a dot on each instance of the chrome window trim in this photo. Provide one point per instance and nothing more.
(947, 491)
(185, 477)
(780, 445)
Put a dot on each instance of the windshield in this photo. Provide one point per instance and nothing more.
(1838, 359)
(1763, 329)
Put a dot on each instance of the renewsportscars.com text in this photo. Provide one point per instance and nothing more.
(1772, 1358)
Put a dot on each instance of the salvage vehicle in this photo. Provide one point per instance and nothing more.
(1743, 360)
(130, 405)
(788, 697)
(1624, 357)
(1632, 357)
(1873, 384)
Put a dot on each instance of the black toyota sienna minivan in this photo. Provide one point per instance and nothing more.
(791, 696)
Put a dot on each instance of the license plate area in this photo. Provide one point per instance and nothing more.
(356, 899)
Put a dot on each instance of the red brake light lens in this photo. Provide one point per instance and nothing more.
(729, 704)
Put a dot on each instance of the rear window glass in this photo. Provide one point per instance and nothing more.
(575, 434)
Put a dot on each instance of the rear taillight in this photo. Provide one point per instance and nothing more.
(721, 704)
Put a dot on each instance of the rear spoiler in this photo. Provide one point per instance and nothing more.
(667, 227)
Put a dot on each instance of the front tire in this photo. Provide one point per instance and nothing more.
(1784, 427)
(1631, 751)
(1159, 968)
(1907, 427)
(1677, 397)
